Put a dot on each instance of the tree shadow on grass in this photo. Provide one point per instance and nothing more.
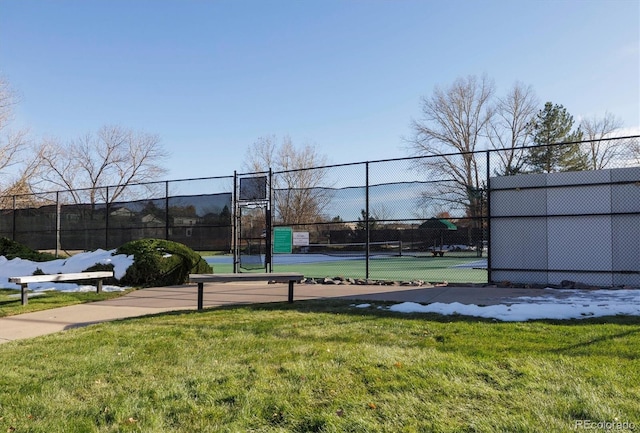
(380, 309)
(609, 337)
(587, 344)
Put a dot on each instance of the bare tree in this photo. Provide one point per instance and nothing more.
(24, 184)
(261, 155)
(381, 213)
(632, 152)
(12, 145)
(19, 163)
(8, 100)
(600, 151)
(115, 156)
(299, 181)
(510, 128)
(449, 132)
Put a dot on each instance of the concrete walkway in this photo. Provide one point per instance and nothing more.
(162, 299)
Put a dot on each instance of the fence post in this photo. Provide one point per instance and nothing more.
(106, 221)
(236, 220)
(58, 210)
(13, 229)
(268, 223)
(166, 210)
(366, 222)
(234, 223)
(488, 233)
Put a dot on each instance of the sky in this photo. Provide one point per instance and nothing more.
(550, 304)
(210, 77)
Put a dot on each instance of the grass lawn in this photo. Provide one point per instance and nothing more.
(322, 366)
(10, 303)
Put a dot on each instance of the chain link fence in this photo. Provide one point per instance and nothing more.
(383, 220)
(420, 218)
(196, 212)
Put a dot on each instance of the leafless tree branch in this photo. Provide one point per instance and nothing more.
(117, 157)
(301, 192)
(510, 128)
(453, 122)
(601, 153)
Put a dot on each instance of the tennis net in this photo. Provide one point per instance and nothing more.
(353, 249)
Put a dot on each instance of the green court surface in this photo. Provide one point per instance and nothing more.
(456, 269)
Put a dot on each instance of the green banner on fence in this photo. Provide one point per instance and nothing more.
(282, 240)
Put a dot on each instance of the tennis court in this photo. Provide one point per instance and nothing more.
(458, 268)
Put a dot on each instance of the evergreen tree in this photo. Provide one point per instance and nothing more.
(362, 221)
(552, 127)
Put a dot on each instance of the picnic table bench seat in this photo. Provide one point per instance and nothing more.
(280, 277)
(24, 281)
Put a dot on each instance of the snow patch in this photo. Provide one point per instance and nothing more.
(18, 267)
(559, 304)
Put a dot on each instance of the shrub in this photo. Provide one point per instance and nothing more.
(103, 267)
(38, 271)
(160, 262)
(12, 249)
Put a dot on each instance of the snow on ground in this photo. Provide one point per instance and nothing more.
(553, 304)
(76, 263)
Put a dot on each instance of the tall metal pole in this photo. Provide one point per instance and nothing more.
(269, 222)
(234, 223)
(366, 222)
(166, 210)
(106, 221)
(488, 233)
(58, 243)
(13, 231)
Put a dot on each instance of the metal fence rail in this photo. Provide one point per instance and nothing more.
(415, 218)
(196, 212)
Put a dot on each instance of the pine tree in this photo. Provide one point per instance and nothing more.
(552, 127)
(362, 221)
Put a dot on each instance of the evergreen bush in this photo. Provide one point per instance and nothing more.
(12, 249)
(159, 262)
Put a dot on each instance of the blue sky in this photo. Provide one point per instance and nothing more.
(210, 77)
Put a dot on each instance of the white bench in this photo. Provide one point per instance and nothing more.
(289, 277)
(48, 278)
